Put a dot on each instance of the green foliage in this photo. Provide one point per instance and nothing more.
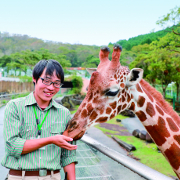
(45, 54)
(106, 131)
(25, 60)
(113, 120)
(160, 60)
(20, 95)
(23, 52)
(74, 54)
(70, 54)
(25, 79)
(91, 62)
(142, 39)
(77, 82)
(87, 75)
(4, 101)
(4, 60)
(173, 17)
(127, 57)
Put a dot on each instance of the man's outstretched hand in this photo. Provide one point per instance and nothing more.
(62, 141)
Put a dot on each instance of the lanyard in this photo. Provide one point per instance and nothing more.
(37, 120)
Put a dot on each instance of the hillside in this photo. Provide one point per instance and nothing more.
(77, 54)
(143, 39)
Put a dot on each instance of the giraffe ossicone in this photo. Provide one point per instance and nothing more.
(114, 88)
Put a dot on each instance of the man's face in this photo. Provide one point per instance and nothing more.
(44, 93)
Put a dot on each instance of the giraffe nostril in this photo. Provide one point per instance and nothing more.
(72, 124)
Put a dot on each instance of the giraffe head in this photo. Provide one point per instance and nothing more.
(108, 93)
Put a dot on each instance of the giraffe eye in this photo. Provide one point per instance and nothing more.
(112, 93)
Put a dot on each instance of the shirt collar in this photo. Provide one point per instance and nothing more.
(30, 100)
(55, 104)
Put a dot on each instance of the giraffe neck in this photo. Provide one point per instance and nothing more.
(159, 119)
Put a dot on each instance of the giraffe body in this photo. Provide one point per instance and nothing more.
(114, 88)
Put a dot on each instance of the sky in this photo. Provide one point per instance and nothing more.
(88, 22)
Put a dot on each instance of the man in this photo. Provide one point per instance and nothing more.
(34, 146)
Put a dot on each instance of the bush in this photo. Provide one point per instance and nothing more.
(77, 82)
(4, 101)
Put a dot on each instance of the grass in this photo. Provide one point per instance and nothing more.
(146, 152)
(149, 155)
(104, 130)
(20, 95)
(113, 121)
(4, 102)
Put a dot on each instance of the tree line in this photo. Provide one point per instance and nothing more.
(76, 54)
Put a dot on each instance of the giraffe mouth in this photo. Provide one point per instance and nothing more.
(76, 134)
(75, 129)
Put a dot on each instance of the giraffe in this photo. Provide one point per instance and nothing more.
(114, 88)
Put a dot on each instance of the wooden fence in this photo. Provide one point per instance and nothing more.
(15, 87)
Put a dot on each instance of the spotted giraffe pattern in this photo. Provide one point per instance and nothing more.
(114, 88)
(161, 122)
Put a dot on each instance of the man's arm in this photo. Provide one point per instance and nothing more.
(13, 143)
(59, 140)
(70, 169)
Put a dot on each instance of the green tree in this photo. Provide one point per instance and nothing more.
(70, 54)
(158, 61)
(162, 66)
(24, 60)
(127, 57)
(172, 18)
(91, 62)
(171, 44)
(45, 54)
(176, 76)
(63, 61)
(143, 61)
(4, 60)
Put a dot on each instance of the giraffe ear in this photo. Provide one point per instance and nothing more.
(91, 70)
(135, 75)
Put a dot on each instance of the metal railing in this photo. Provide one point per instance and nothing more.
(8, 95)
(90, 166)
(126, 161)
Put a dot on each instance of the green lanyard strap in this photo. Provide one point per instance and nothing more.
(37, 121)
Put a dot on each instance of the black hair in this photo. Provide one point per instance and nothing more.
(51, 65)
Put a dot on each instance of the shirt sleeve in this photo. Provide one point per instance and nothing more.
(13, 143)
(67, 156)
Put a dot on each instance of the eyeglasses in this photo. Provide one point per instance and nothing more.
(48, 82)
